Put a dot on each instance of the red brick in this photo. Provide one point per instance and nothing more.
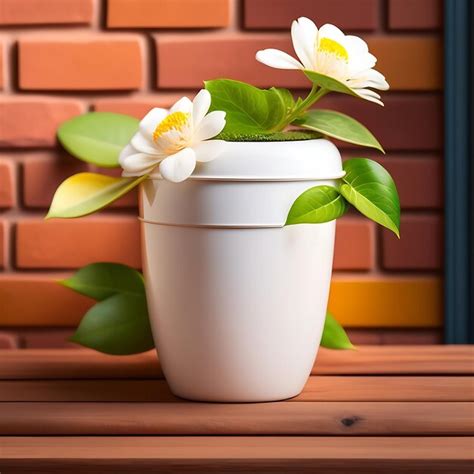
(278, 14)
(74, 243)
(197, 61)
(9, 341)
(28, 12)
(50, 338)
(419, 181)
(415, 14)
(167, 13)
(364, 336)
(407, 122)
(39, 300)
(3, 243)
(354, 248)
(43, 172)
(138, 107)
(7, 184)
(420, 246)
(411, 336)
(111, 62)
(32, 122)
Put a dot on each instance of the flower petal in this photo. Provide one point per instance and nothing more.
(303, 34)
(183, 105)
(211, 125)
(331, 32)
(209, 150)
(138, 164)
(201, 104)
(369, 95)
(178, 167)
(151, 120)
(369, 78)
(277, 59)
(143, 144)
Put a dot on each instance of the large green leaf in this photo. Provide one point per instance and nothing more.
(334, 336)
(98, 137)
(85, 193)
(248, 109)
(371, 190)
(102, 280)
(118, 325)
(340, 126)
(316, 205)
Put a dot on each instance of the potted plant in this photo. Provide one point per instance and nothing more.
(239, 192)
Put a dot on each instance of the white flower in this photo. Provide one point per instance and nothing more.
(174, 139)
(330, 52)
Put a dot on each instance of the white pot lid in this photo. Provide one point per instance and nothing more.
(274, 161)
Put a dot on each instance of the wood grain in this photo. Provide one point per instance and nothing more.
(236, 454)
(310, 418)
(367, 360)
(318, 388)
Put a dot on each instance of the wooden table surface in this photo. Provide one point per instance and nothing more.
(380, 409)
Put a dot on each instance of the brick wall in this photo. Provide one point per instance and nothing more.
(59, 58)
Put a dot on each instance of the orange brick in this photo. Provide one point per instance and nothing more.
(417, 337)
(50, 338)
(2, 66)
(27, 12)
(26, 122)
(7, 184)
(409, 63)
(9, 340)
(74, 243)
(354, 248)
(415, 14)
(3, 243)
(167, 13)
(111, 62)
(38, 300)
(420, 246)
(346, 14)
(387, 302)
(137, 107)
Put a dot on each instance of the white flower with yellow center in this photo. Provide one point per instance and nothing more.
(328, 51)
(175, 140)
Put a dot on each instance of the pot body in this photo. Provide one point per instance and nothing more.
(237, 301)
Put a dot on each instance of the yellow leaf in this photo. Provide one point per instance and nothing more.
(86, 193)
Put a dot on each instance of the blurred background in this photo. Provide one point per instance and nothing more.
(60, 58)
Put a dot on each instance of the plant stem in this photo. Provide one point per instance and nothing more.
(314, 95)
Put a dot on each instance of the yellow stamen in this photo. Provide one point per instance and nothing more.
(327, 45)
(174, 121)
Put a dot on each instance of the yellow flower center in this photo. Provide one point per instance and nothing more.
(329, 46)
(174, 121)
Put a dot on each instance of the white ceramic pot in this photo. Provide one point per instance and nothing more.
(237, 301)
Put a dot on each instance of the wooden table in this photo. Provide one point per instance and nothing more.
(380, 409)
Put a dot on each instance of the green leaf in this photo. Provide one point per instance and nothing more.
(102, 280)
(98, 137)
(316, 205)
(329, 83)
(118, 325)
(334, 336)
(248, 109)
(340, 126)
(85, 193)
(371, 190)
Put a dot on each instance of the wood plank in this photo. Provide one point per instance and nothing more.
(367, 360)
(310, 418)
(333, 455)
(318, 388)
